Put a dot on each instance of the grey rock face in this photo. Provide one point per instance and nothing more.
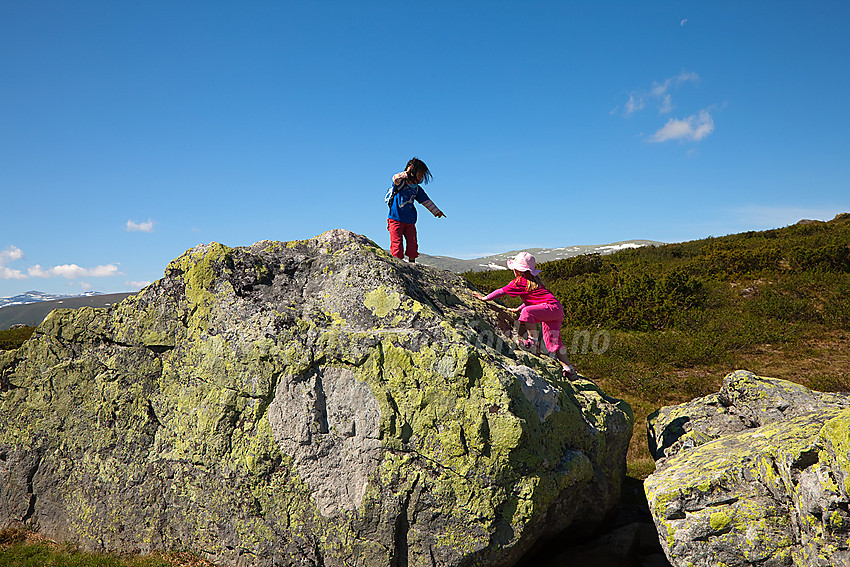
(745, 401)
(304, 403)
(344, 417)
(755, 475)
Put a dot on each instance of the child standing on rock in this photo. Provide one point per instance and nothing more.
(401, 221)
(539, 306)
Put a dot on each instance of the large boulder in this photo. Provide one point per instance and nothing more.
(758, 474)
(311, 403)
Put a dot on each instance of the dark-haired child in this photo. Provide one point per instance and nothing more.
(401, 221)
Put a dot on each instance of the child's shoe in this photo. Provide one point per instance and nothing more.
(568, 372)
(528, 343)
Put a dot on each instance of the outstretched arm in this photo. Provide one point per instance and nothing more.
(493, 295)
(429, 204)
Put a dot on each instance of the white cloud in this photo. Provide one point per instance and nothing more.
(73, 271)
(37, 272)
(137, 284)
(68, 271)
(693, 128)
(659, 92)
(145, 226)
(685, 77)
(634, 104)
(683, 22)
(9, 254)
(10, 274)
(666, 106)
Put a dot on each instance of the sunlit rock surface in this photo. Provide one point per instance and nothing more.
(302, 403)
(754, 475)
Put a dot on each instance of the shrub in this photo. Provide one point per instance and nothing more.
(13, 338)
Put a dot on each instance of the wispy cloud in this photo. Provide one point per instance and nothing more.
(692, 128)
(659, 93)
(634, 104)
(73, 271)
(9, 254)
(659, 89)
(137, 284)
(144, 226)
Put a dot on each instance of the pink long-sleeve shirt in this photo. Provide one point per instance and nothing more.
(517, 288)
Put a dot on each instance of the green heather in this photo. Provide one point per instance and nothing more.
(13, 338)
(681, 316)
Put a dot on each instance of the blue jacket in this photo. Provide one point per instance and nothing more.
(400, 199)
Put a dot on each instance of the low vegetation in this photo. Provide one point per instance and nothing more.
(20, 547)
(13, 338)
(661, 325)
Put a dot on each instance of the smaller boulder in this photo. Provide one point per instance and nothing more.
(745, 401)
(754, 475)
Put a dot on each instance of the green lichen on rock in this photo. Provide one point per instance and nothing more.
(762, 493)
(835, 440)
(381, 302)
(719, 521)
(315, 402)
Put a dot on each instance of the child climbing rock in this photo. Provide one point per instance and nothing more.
(401, 221)
(539, 306)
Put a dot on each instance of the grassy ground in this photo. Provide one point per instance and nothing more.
(820, 362)
(22, 548)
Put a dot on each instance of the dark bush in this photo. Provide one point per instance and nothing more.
(13, 338)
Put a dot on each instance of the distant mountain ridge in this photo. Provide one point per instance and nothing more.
(498, 261)
(32, 307)
(34, 296)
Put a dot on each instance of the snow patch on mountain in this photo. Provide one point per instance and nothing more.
(34, 296)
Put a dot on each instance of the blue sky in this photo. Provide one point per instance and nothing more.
(132, 131)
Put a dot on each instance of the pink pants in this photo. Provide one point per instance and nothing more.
(550, 316)
(397, 231)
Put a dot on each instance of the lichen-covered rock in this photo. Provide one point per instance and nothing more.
(769, 488)
(303, 403)
(745, 401)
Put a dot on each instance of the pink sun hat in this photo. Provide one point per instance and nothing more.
(524, 262)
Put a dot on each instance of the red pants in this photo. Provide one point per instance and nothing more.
(397, 231)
